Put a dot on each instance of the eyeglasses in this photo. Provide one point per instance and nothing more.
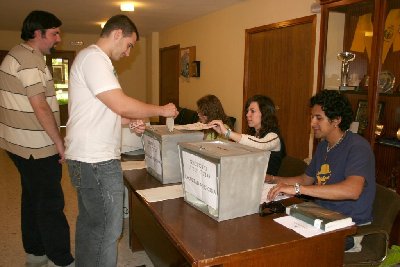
(270, 208)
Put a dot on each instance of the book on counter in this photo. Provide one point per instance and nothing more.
(319, 217)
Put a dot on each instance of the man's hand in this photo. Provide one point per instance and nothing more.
(137, 126)
(45, 116)
(169, 110)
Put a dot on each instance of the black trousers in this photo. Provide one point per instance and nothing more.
(45, 230)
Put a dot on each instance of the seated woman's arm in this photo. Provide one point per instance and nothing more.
(270, 142)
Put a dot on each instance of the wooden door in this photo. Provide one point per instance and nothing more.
(279, 63)
(169, 76)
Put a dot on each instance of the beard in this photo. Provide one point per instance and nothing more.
(52, 49)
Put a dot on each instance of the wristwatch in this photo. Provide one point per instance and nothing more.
(297, 189)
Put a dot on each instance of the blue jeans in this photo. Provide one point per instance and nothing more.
(100, 192)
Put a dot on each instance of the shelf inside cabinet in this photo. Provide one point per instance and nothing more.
(365, 92)
(389, 141)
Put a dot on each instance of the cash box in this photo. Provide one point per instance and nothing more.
(222, 179)
(161, 151)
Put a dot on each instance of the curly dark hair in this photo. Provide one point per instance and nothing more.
(211, 107)
(269, 121)
(335, 105)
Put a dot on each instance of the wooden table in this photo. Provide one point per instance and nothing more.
(173, 233)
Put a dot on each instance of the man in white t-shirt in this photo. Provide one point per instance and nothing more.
(97, 107)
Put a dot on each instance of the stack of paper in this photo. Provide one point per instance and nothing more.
(300, 227)
(133, 165)
(161, 193)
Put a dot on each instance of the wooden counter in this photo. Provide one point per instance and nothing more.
(175, 234)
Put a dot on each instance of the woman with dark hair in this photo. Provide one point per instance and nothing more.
(263, 130)
(209, 108)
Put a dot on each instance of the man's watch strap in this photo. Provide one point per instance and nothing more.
(297, 189)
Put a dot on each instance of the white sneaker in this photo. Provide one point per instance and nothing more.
(52, 264)
(36, 261)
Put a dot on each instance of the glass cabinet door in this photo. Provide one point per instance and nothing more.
(360, 56)
(389, 76)
(348, 53)
(387, 129)
(348, 45)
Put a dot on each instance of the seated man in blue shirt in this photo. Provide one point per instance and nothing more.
(341, 175)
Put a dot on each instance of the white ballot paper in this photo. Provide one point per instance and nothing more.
(300, 227)
(170, 124)
(133, 165)
(161, 193)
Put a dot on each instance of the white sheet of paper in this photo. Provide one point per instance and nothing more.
(200, 178)
(193, 127)
(265, 191)
(161, 193)
(170, 124)
(152, 149)
(133, 165)
(300, 227)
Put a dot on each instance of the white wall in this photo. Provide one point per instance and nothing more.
(131, 70)
(220, 44)
(334, 44)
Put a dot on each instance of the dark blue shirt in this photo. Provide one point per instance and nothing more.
(352, 156)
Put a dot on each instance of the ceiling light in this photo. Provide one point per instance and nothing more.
(77, 43)
(127, 6)
(368, 34)
(102, 24)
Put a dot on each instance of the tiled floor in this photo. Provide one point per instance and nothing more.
(11, 250)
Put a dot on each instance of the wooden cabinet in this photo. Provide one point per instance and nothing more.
(370, 29)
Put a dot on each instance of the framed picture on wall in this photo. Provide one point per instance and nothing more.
(187, 56)
(362, 115)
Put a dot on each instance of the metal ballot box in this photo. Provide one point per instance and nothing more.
(161, 151)
(222, 179)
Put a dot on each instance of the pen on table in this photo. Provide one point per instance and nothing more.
(278, 195)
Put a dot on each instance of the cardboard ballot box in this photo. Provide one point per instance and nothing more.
(161, 151)
(222, 179)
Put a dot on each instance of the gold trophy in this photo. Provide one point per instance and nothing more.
(346, 58)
